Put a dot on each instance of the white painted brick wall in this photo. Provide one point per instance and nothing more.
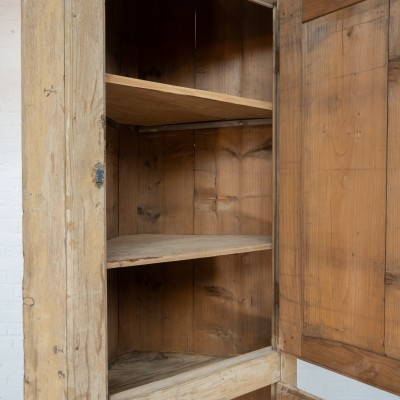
(11, 262)
(315, 380)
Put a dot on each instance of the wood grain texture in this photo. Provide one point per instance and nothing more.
(156, 308)
(392, 297)
(362, 365)
(85, 203)
(135, 369)
(156, 180)
(112, 182)
(43, 162)
(137, 102)
(344, 175)
(249, 372)
(318, 8)
(287, 392)
(126, 251)
(289, 148)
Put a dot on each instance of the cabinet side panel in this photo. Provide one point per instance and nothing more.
(43, 147)
(392, 314)
(85, 204)
(289, 175)
(344, 175)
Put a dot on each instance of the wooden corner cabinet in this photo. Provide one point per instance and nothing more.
(210, 191)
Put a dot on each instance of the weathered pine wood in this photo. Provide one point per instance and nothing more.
(318, 8)
(137, 102)
(374, 369)
(126, 251)
(85, 236)
(156, 308)
(344, 175)
(43, 157)
(135, 369)
(249, 372)
(234, 182)
(288, 255)
(157, 189)
(287, 392)
(392, 297)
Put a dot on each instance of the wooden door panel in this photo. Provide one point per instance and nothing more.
(344, 175)
(338, 165)
(392, 310)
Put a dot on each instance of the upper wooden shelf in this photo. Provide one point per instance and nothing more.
(137, 102)
(126, 251)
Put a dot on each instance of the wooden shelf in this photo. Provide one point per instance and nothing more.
(171, 376)
(126, 251)
(137, 102)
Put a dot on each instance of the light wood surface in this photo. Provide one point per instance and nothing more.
(344, 175)
(138, 102)
(132, 250)
(287, 392)
(392, 298)
(222, 380)
(85, 235)
(317, 8)
(43, 174)
(289, 147)
(135, 369)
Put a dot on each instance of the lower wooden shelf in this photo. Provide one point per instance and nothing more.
(125, 251)
(181, 376)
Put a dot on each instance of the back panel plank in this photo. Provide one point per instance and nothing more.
(233, 182)
(317, 8)
(392, 315)
(344, 175)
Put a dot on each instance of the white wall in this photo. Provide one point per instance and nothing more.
(11, 356)
(313, 379)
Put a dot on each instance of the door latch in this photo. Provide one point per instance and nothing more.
(99, 168)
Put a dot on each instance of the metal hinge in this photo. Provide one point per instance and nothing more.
(277, 294)
(99, 169)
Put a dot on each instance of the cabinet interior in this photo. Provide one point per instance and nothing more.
(192, 180)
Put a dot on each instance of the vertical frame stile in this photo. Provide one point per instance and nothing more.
(85, 200)
(43, 176)
(275, 144)
(64, 212)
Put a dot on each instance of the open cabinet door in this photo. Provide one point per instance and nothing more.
(338, 167)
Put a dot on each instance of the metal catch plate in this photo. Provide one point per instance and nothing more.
(99, 168)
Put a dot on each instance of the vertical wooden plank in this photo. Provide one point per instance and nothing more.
(344, 175)
(112, 182)
(156, 308)
(43, 147)
(165, 202)
(289, 139)
(128, 175)
(392, 298)
(233, 182)
(157, 182)
(85, 202)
